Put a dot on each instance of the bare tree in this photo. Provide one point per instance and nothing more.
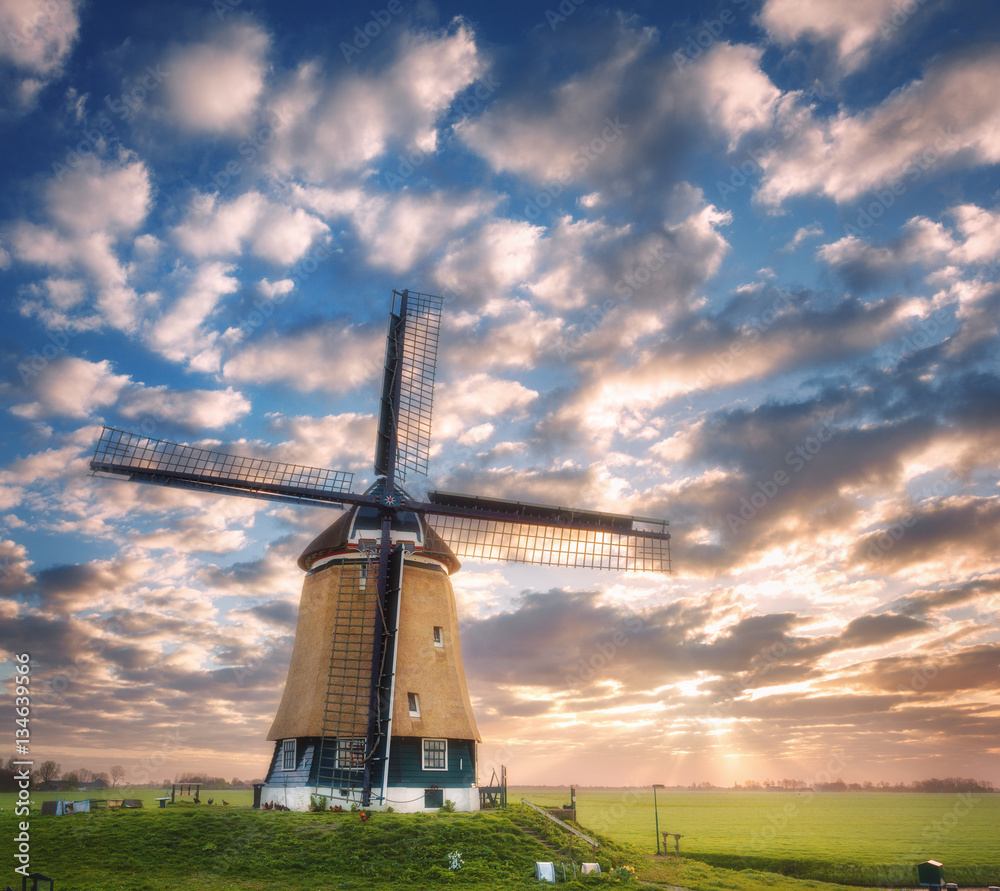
(49, 771)
(117, 773)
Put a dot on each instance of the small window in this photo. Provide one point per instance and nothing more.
(350, 754)
(435, 754)
(438, 636)
(413, 701)
(288, 754)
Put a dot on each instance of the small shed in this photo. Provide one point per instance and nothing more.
(931, 873)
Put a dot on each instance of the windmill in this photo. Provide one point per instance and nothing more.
(376, 710)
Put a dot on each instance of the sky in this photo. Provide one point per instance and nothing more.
(729, 264)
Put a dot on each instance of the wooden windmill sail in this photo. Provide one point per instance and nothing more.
(376, 704)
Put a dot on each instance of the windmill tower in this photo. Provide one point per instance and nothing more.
(376, 710)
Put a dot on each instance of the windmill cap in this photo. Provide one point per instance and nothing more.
(335, 539)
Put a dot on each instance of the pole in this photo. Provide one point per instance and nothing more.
(656, 815)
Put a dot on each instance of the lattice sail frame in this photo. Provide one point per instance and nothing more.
(124, 453)
(403, 438)
(521, 541)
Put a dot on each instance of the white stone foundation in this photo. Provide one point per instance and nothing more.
(402, 799)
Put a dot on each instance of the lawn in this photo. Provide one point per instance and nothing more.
(857, 837)
(188, 846)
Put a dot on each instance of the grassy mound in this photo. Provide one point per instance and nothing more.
(189, 846)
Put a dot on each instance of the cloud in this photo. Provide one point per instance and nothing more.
(948, 116)
(622, 121)
(399, 106)
(272, 231)
(471, 399)
(398, 230)
(489, 262)
(214, 87)
(189, 409)
(100, 197)
(922, 602)
(181, 333)
(15, 573)
(770, 333)
(975, 239)
(342, 441)
(71, 387)
(981, 231)
(802, 233)
(867, 631)
(853, 27)
(38, 38)
(505, 334)
(334, 357)
(91, 212)
(955, 535)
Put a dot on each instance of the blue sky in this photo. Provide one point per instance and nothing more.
(731, 264)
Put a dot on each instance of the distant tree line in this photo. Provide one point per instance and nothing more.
(947, 784)
(50, 773)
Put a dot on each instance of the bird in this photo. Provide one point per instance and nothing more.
(226, 803)
(211, 800)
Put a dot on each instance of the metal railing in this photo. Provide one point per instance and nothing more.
(565, 826)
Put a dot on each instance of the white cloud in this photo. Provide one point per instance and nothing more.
(92, 210)
(851, 253)
(273, 232)
(504, 334)
(100, 197)
(341, 441)
(75, 388)
(329, 128)
(739, 97)
(15, 563)
(488, 263)
(981, 230)
(919, 128)
(180, 333)
(853, 26)
(475, 398)
(194, 409)
(280, 288)
(400, 229)
(332, 358)
(38, 36)
(544, 136)
(975, 239)
(286, 235)
(801, 234)
(215, 86)
(611, 123)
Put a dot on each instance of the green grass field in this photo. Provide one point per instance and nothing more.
(852, 838)
(862, 838)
